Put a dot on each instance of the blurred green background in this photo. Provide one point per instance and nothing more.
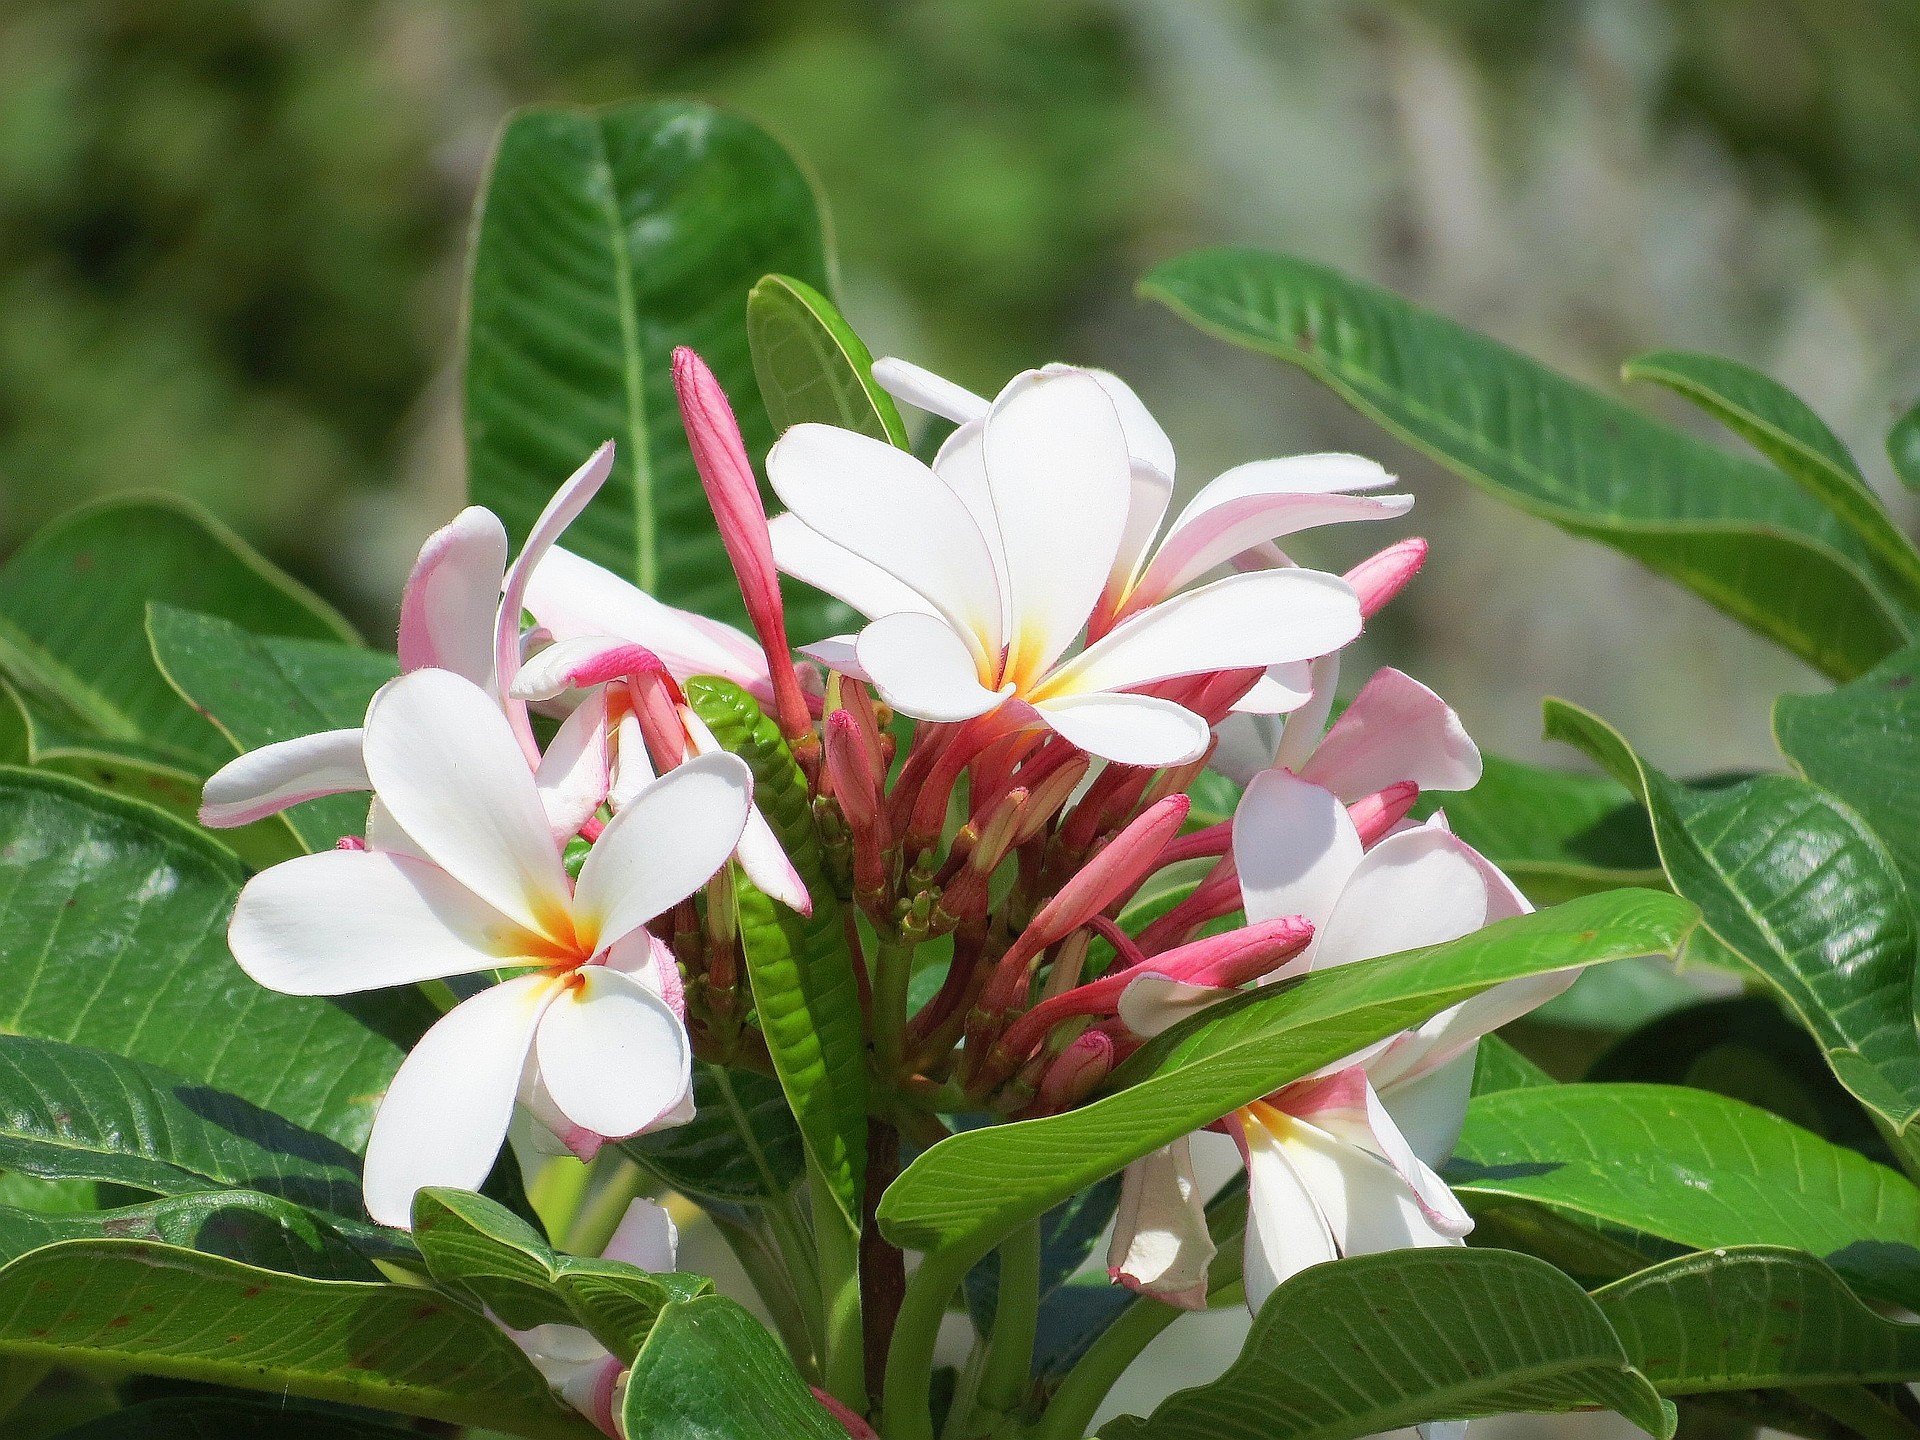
(231, 244)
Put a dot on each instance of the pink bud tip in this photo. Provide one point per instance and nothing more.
(850, 772)
(1079, 1068)
(1379, 578)
(1374, 815)
(1126, 860)
(349, 842)
(856, 1427)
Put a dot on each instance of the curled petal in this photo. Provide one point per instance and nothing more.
(1153, 1003)
(266, 781)
(447, 609)
(811, 558)
(446, 1112)
(1378, 578)
(646, 1237)
(923, 668)
(573, 774)
(1307, 724)
(1160, 1242)
(583, 661)
(927, 391)
(1395, 729)
(1286, 1230)
(1418, 887)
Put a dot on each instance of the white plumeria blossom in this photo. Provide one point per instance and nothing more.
(979, 573)
(580, 1369)
(1341, 1163)
(465, 878)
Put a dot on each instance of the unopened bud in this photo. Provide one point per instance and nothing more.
(1374, 815)
(1380, 577)
(1077, 1072)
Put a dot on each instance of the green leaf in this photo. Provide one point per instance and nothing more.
(226, 1417)
(1619, 997)
(740, 1148)
(1782, 427)
(1903, 448)
(238, 1224)
(1862, 743)
(968, 1191)
(1796, 885)
(73, 604)
(1754, 1318)
(1735, 531)
(1498, 1066)
(1696, 1169)
(71, 1113)
(1555, 833)
(1371, 1344)
(811, 366)
(116, 939)
(259, 690)
(802, 976)
(471, 1244)
(604, 239)
(158, 1310)
(710, 1369)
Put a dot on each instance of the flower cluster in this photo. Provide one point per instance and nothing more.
(551, 824)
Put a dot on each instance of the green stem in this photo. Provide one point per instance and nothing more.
(789, 1232)
(752, 1245)
(1072, 1407)
(837, 1244)
(906, 1414)
(1008, 1373)
(1905, 1145)
(893, 972)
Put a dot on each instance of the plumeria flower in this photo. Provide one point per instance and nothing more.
(581, 1370)
(979, 573)
(468, 881)
(1342, 1162)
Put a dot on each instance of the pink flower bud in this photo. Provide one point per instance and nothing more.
(727, 475)
(1125, 861)
(1379, 578)
(1374, 815)
(1073, 1076)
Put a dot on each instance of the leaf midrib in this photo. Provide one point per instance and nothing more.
(646, 560)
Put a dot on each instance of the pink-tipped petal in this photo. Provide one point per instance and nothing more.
(1160, 1243)
(1305, 726)
(581, 663)
(1395, 729)
(266, 781)
(1418, 887)
(1377, 579)
(447, 610)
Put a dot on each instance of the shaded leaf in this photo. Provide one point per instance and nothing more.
(116, 939)
(1374, 1343)
(1903, 448)
(222, 1417)
(261, 689)
(1498, 1066)
(710, 1369)
(1735, 531)
(740, 1148)
(1696, 1169)
(604, 239)
(1799, 888)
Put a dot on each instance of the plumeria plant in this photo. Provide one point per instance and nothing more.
(940, 864)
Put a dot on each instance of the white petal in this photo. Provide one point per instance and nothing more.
(613, 1056)
(646, 1236)
(760, 853)
(1322, 474)
(1295, 848)
(568, 501)
(1417, 887)
(1453, 1033)
(1283, 689)
(1146, 441)
(1396, 729)
(573, 597)
(841, 652)
(961, 465)
(572, 778)
(1148, 492)
(1208, 535)
(1245, 746)
(1365, 1203)
(923, 669)
(893, 512)
(448, 608)
(807, 555)
(662, 846)
(1371, 1128)
(1061, 478)
(446, 1112)
(1285, 1230)
(1156, 1003)
(927, 391)
(1160, 1243)
(1128, 729)
(1306, 725)
(348, 920)
(1431, 1107)
(1260, 618)
(632, 767)
(266, 781)
(385, 835)
(446, 764)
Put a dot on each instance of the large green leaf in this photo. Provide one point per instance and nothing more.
(238, 1224)
(1754, 1318)
(259, 689)
(230, 1417)
(1556, 834)
(811, 366)
(1903, 448)
(1795, 884)
(471, 1244)
(708, 1368)
(1371, 1344)
(1697, 1169)
(73, 604)
(604, 239)
(740, 1148)
(116, 938)
(964, 1194)
(1862, 743)
(71, 1113)
(1781, 426)
(802, 977)
(1737, 532)
(157, 1310)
